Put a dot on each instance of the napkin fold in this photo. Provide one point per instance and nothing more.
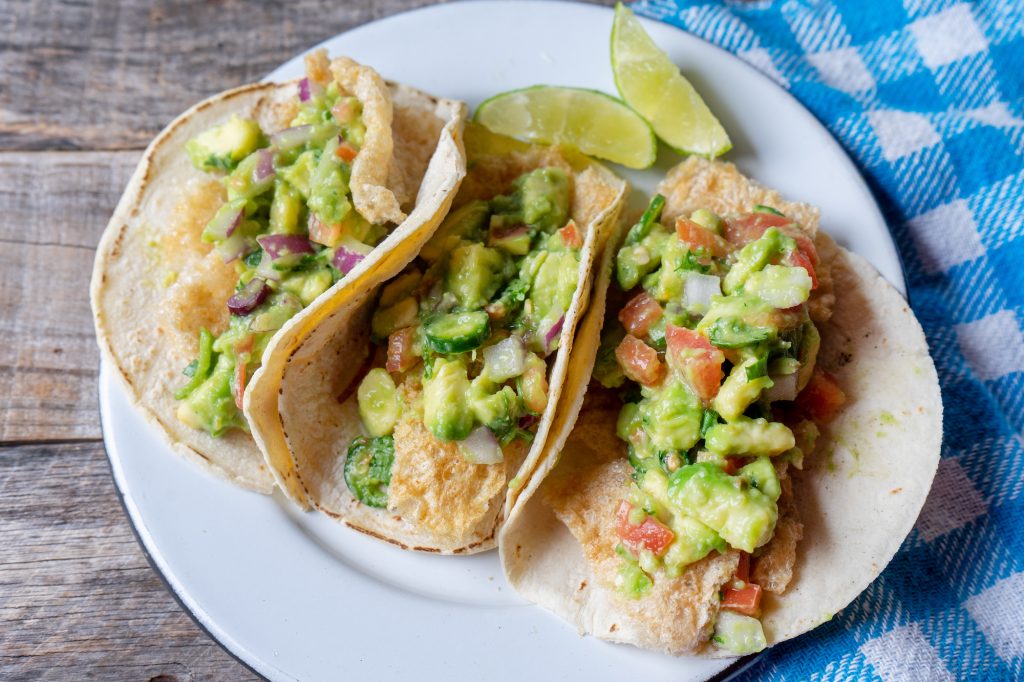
(927, 97)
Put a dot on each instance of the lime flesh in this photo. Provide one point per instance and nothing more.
(590, 121)
(650, 83)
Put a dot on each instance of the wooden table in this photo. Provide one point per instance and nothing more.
(84, 86)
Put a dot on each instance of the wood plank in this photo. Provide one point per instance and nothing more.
(54, 207)
(78, 599)
(109, 75)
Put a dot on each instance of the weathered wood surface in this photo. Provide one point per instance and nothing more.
(77, 598)
(84, 85)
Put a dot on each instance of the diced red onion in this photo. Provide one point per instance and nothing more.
(235, 246)
(290, 138)
(265, 166)
(252, 294)
(281, 245)
(304, 90)
(223, 225)
(698, 289)
(783, 388)
(481, 447)
(505, 359)
(349, 254)
(552, 334)
(528, 420)
(509, 233)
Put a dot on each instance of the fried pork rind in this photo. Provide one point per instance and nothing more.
(295, 412)
(155, 282)
(856, 498)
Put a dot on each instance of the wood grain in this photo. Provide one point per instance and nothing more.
(55, 206)
(78, 599)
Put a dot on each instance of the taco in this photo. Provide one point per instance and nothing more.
(760, 433)
(242, 212)
(406, 409)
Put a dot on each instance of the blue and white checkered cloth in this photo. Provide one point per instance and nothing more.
(927, 96)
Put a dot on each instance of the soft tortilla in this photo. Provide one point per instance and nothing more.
(155, 283)
(859, 494)
(292, 403)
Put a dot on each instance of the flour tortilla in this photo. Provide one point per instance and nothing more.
(293, 407)
(155, 283)
(858, 495)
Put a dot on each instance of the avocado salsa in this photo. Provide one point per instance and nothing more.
(472, 320)
(713, 355)
(289, 227)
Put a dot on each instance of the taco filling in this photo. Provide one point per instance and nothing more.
(713, 355)
(289, 225)
(467, 328)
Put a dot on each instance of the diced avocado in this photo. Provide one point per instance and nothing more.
(634, 261)
(551, 294)
(671, 415)
(399, 288)
(780, 286)
(395, 317)
(708, 220)
(693, 542)
(475, 273)
(223, 146)
(631, 580)
(749, 437)
(241, 182)
(731, 332)
(226, 214)
(466, 221)
(607, 370)
(300, 173)
(532, 385)
(308, 284)
(738, 391)
(379, 407)
(544, 198)
(286, 209)
(630, 422)
(446, 410)
(211, 406)
(368, 469)
(668, 283)
(496, 409)
(277, 310)
(738, 634)
(328, 193)
(761, 474)
(752, 258)
(750, 310)
(515, 241)
(744, 516)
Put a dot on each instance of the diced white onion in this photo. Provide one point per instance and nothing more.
(481, 447)
(505, 359)
(698, 290)
(783, 388)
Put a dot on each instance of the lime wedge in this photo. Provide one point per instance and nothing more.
(591, 121)
(650, 83)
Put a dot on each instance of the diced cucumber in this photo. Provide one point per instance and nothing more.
(368, 469)
(458, 332)
(738, 634)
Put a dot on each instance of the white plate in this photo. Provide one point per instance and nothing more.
(298, 597)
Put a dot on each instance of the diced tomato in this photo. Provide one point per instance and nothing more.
(652, 534)
(731, 466)
(322, 233)
(804, 244)
(346, 152)
(743, 569)
(639, 361)
(696, 358)
(747, 228)
(799, 259)
(400, 350)
(821, 398)
(746, 600)
(243, 351)
(571, 235)
(640, 314)
(698, 237)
